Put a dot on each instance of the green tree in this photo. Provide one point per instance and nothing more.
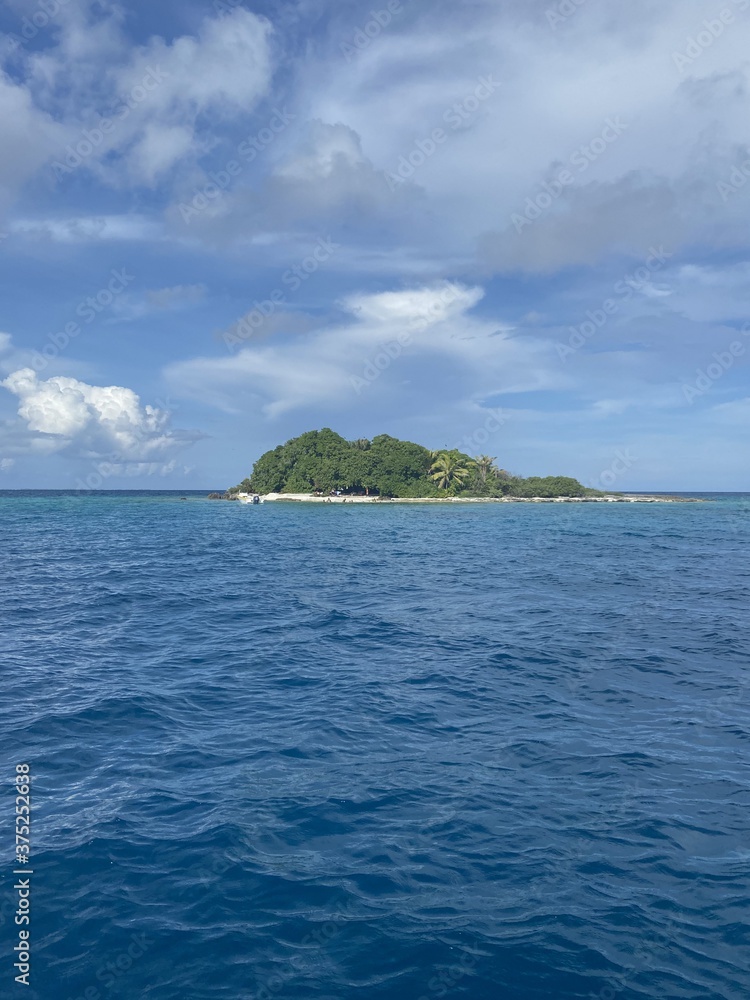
(485, 466)
(547, 487)
(449, 470)
(324, 460)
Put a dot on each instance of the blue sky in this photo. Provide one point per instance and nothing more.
(515, 226)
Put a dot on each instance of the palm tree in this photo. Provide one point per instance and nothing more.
(485, 467)
(448, 470)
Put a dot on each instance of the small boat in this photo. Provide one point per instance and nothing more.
(251, 498)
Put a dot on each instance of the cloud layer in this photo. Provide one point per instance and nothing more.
(573, 178)
(92, 421)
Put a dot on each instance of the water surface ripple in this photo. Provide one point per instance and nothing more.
(405, 752)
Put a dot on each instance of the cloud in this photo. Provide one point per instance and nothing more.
(65, 414)
(354, 119)
(30, 137)
(736, 412)
(177, 295)
(89, 229)
(324, 179)
(326, 128)
(11, 357)
(157, 300)
(131, 113)
(329, 363)
(275, 323)
(556, 90)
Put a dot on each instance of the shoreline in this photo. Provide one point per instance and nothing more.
(608, 498)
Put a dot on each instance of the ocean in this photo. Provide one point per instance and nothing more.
(407, 752)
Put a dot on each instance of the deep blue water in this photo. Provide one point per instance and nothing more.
(362, 752)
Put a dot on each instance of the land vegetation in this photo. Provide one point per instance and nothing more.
(324, 462)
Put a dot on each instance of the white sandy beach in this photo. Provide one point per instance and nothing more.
(310, 498)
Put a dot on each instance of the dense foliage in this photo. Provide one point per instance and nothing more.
(324, 461)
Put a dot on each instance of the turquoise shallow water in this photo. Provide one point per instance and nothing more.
(406, 752)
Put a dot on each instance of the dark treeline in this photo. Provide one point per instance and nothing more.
(324, 461)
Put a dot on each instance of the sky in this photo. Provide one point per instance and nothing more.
(516, 227)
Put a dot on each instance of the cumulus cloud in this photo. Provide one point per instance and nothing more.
(65, 414)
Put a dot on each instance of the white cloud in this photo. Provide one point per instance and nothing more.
(88, 229)
(736, 412)
(323, 180)
(11, 357)
(224, 69)
(163, 101)
(324, 365)
(65, 414)
(135, 306)
(158, 149)
(328, 147)
(657, 182)
(173, 100)
(710, 293)
(30, 137)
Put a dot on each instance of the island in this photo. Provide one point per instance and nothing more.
(321, 466)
